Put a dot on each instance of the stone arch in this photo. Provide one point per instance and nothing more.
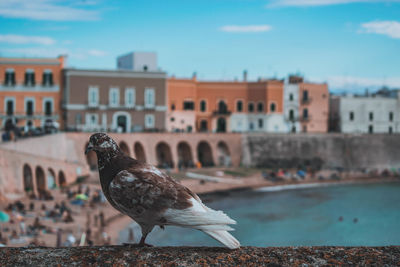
(91, 159)
(40, 180)
(61, 179)
(139, 152)
(185, 158)
(28, 178)
(124, 147)
(51, 179)
(164, 155)
(204, 154)
(224, 155)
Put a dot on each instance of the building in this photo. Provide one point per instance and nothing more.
(114, 100)
(291, 106)
(225, 106)
(30, 91)
(138, 61)
(378, 113)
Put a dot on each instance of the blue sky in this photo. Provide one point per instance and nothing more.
(351, 44)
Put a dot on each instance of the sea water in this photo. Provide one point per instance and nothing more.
(339, 215)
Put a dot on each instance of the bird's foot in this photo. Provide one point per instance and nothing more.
(136, 245)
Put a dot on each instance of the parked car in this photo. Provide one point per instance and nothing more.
(51, 126)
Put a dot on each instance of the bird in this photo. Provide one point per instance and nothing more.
(153, 198)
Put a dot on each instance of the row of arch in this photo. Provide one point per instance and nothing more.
(184, 151)
(42, 180)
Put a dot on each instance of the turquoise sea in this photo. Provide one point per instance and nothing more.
(303, 217)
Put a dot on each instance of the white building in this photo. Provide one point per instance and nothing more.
(291, 106)
(369, 114)
(138, 61)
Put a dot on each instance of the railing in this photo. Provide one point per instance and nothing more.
(24, 115)
(305, 118)
(306, 101)
(23, 87)
(221, 112)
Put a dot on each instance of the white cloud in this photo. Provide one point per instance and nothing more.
(22, 39)
(245, 28)
(354, 83)
(283, 3)
(52, 52)
(54, 10)
(97, 53)
(389, 28)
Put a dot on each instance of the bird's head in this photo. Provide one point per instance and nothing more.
(101, 142)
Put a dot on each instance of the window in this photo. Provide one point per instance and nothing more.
(29, 77)
(272, 107)
(113, 97)
(48, 107)
(29, 107)
(371, 116)
(290, 97)
(172, 106)
(47, 78)
(260, 123)
(130, 97)
(251, 126)
(9, 78)
(305, 95)
(93, 96)
(351, 116)
(239, 106)
(149, 121)
(10, 107)
(78, 119)
(149, 98)
(222, 107)
(188, 105)
(251, 107)
(291, 114)
(172, 119)
(390, 129)
(391, 116)
(203, 126)
(203, 106)
(304, 128)
(92, 120)
(305, 113)
(371, 129)
(260, 107)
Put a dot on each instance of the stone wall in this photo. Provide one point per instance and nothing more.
(348, 151)
(200, 256)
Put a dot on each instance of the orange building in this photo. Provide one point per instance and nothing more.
(314, 107)
(30, 90)
(231, 106)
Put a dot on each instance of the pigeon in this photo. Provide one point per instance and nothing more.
(151, 197)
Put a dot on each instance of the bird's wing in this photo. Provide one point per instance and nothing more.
(147, 188)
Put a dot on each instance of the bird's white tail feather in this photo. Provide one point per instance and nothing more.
(224, 237)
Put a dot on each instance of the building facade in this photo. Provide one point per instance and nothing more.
(114, 100)
(30, 91)
(367, 114)
(233, 106)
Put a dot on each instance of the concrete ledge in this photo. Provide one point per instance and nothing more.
(200, 256)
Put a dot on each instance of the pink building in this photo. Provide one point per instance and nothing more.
(314, 107)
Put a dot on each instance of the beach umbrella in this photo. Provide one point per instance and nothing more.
(81, 196)
(4, 217)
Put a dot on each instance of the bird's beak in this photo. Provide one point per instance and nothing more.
(88, 148)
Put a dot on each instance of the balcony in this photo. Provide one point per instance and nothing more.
(34, 88)
(305, 118)
(306, 101)
(221, 112)
(34, 116)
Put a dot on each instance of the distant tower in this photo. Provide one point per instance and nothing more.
(138, 61)
(245, 75)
